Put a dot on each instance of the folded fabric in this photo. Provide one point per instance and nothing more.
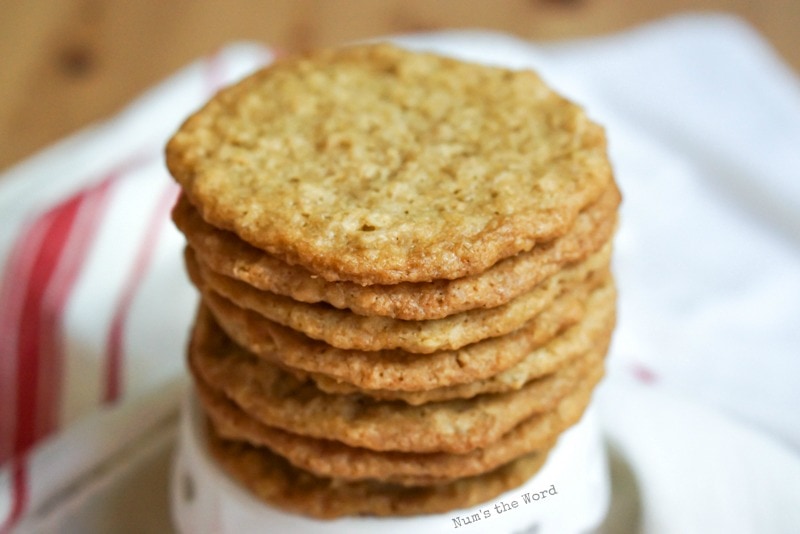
(94, 305)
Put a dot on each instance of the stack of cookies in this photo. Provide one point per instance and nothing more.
(404, 268)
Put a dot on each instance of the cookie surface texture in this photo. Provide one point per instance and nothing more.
(399, 370)
(276, 398)
(377, 165)
(227, 254)
(334, 459)
(346, 330)
(275, 481)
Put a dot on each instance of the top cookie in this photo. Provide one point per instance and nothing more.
(377, 165)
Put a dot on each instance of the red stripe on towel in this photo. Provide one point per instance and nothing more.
(45, 263)
(41, 272)
(48, 285)
(34, 320)
(12, 297)
(80, 240)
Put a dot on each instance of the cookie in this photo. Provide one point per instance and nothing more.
(277, 398)
(403, 371)
(224, 253)
(275, 481)
(345, 330)
(378, 165)
(329, 458)
(579, 341)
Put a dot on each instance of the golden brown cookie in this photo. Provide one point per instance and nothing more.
(378, 165)
(275, 481)
(575, 343)
(276, 398)
(403, 371)
(333, 459)
(346, 330)
(226, 254)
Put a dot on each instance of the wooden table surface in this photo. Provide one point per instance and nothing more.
(67, 63)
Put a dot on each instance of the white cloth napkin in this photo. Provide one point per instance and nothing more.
(701, 402)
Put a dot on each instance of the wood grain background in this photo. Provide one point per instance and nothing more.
(67, 63)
